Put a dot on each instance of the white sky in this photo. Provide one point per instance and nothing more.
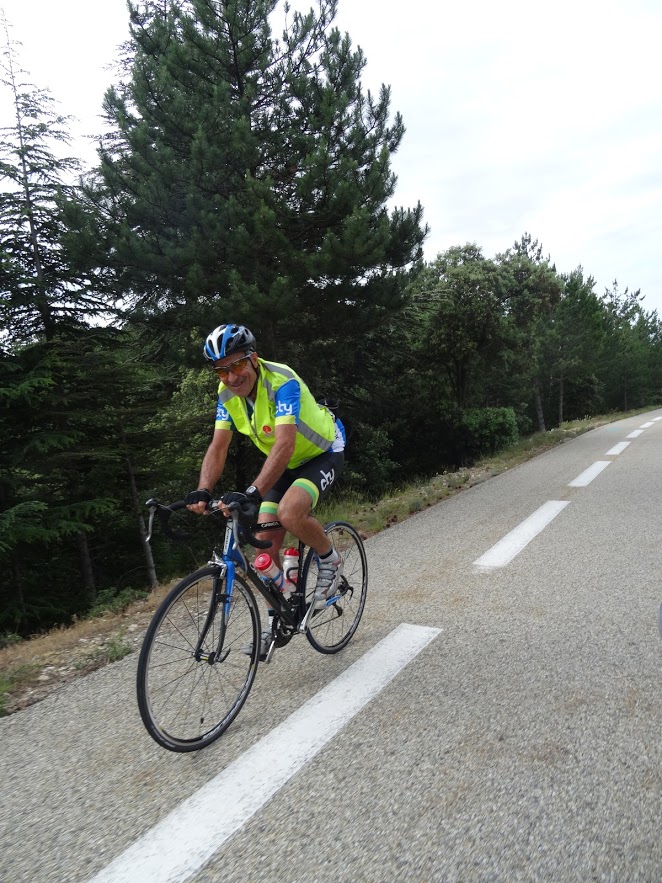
(540, 117)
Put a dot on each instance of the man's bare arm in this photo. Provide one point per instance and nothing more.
(213, 464)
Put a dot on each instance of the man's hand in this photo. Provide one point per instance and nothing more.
(197, 501)
(248, 504)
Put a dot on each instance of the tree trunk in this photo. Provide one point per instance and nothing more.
(539, 411)
(561, 399)
(18, 588)
(147, 549)
(86, 569)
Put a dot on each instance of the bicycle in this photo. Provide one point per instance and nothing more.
(201, 650)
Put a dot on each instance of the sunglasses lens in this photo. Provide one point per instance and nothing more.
(237, 367)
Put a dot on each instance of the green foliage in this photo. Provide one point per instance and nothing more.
(113, 600)
(41, 287)
(460, 304)
(369, 467)
(247, 178)
(488, 430)
(117, 648)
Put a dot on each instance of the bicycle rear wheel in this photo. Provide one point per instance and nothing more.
(190, 691)
(332, 627)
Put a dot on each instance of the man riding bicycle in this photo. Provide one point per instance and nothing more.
(303, 442)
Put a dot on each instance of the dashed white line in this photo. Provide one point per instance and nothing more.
(655, 419)
(617, 449)
(646, 425)
(635, 434)
(587, 476)
(512, 544)
(177, 847)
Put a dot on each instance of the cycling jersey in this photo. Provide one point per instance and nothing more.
(281, 397)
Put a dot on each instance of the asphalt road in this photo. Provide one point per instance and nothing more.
(523, 743)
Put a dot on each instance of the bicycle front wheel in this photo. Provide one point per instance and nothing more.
(332, 627)
(194, 671)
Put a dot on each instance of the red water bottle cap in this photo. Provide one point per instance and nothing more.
(292, 551)
(262, 562)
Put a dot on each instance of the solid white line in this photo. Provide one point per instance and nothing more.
(589, 474)
(179, 845)
(635, 434)
(646, 425)
(512, 544)
(617, 449)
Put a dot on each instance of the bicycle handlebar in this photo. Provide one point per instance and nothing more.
(242, 533)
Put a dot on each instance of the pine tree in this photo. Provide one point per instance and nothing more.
(74, 472)
(247, 177)
(462, 312)
(532, 288)
(40, 287)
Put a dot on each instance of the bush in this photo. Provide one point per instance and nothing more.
(488, 430)
(114, 600)
(368, 468)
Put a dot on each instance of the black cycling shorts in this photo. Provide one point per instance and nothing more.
(316, 477)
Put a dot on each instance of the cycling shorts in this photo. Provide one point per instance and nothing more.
(316, 477)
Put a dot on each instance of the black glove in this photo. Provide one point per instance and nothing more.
(248, 504)
(199, 496)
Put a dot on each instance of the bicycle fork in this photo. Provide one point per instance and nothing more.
(216, 655)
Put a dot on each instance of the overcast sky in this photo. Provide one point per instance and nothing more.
(541, 117)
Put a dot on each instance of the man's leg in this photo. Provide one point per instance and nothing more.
(295, 513)
(269, 512)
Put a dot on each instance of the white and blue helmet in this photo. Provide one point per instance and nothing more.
(226, 340)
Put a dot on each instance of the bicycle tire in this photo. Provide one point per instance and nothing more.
(178, 694)
(332, 627)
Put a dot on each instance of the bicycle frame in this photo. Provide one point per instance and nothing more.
(293, 615)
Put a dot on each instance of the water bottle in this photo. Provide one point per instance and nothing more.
(269, 571)
(291, 568)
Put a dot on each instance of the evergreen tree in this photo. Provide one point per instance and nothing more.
(462, 305)
(532, 290)
(632, 338)
(75, 473)
(573, 348)
(40, 287)
(247, 177)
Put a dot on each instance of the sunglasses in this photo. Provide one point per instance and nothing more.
(238, 367)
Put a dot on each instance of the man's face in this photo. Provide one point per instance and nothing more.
(238, 372)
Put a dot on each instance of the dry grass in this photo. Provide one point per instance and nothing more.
(32, 669)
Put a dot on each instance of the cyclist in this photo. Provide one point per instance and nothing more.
(303, 442)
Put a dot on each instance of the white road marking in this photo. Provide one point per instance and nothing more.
(589, 474)
(655, 419)
(177, 847)
(512, 544)
(635, 434)
(646, 425)
(617, 449)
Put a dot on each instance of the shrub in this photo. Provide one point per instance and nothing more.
(369, 469)
(114, 600)
(488, 430)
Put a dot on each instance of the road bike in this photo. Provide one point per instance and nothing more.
(201, 650)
